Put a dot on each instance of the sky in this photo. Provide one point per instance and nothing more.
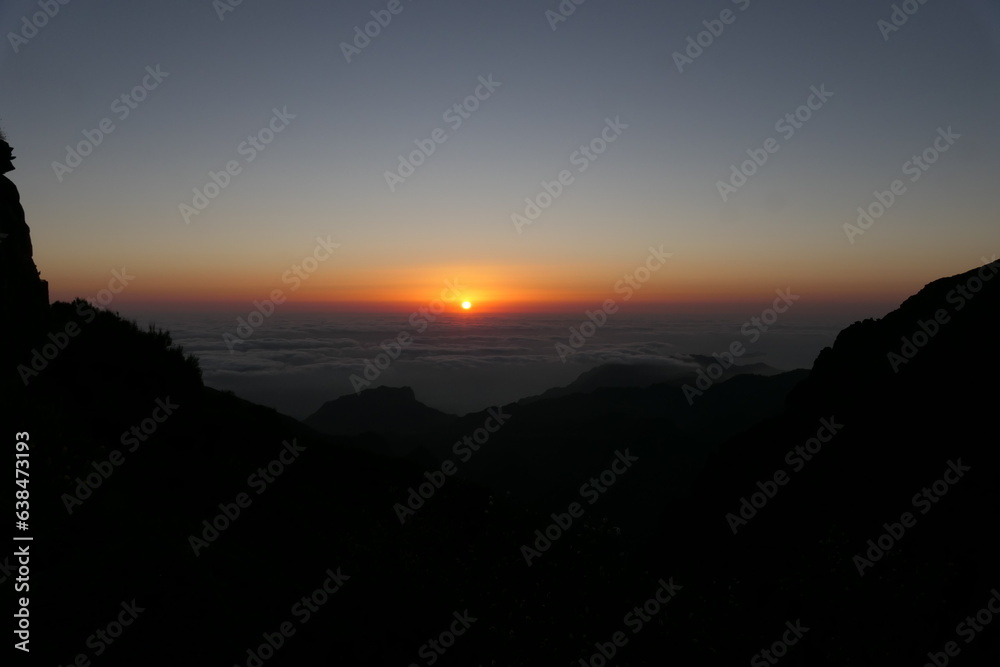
(640, 123)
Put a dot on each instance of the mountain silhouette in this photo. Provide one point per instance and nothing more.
(134, 460)
(377, 410)
(24, 296)
(681, 370)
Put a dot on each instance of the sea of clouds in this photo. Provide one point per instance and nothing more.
(295, 362)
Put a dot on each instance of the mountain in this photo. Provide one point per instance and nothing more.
(24, 296)
(544, 442)
(377, 410)
(852, 502)
(911, 397)
(677, 371)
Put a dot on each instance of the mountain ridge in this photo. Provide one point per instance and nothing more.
(795, 557)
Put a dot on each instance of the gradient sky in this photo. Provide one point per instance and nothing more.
(656, 185)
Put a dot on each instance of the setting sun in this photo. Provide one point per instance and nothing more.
(466, 305)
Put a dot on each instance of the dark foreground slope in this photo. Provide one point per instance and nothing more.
(806, 553)
(323, 510)
(117, 514)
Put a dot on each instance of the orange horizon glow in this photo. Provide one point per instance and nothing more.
(686, 287)
(831, 306)
(695, 298)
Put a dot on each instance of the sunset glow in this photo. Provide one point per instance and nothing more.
(521, 312)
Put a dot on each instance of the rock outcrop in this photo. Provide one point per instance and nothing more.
(24, 296)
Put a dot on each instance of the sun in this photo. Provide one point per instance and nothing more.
(466, 305)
